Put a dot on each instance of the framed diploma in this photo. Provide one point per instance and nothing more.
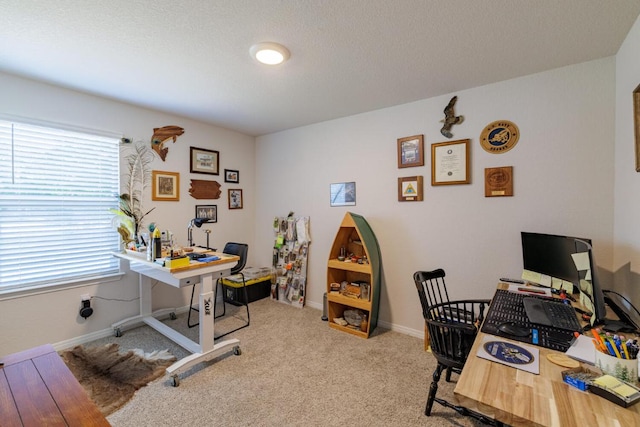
(450, 162)
(410, 189)
(498, 182)
(411, 151)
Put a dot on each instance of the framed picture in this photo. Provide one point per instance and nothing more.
(235, 198)
(450, 162)
(209, 212)
(205, 161)
(498, 182)
(232, 176)
(343, 194)
(410, 189)
(411, 151)
(636, 122)
(165, 186)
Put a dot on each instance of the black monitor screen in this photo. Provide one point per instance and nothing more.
(552, 255)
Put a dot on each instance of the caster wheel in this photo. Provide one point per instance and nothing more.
(237, 351)
(117, 332)
(172, 316)
(175, 380)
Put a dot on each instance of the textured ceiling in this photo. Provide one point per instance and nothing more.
(191, 57)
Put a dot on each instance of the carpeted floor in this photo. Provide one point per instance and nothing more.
(293, 371)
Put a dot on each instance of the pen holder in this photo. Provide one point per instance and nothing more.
(622, 369)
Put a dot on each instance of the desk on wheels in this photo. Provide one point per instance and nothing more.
(519, 398)
(204, 273)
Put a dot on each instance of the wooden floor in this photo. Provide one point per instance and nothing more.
(37, 389)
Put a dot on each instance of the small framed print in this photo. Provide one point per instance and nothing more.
(235, 198)
(411, 151)
(343, 194)
(498, 182)
(209, 212)
(231, 176)
(165, 186)
(450, 162)
(410, 189)
(204, 161)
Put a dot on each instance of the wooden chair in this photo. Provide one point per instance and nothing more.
(452, 326)
(232, 248)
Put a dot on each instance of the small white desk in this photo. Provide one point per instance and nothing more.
(203, 273)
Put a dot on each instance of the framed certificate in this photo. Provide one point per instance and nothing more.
(450, 163)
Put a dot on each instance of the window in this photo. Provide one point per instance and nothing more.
(56, 189)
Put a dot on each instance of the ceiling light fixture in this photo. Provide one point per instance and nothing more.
(269, 53)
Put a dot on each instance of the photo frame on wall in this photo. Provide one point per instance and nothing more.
(235, 198)
(209, 212)
(450, 163)
(343, 194)
(165, 186)
(410, 189)
(232, 176)
(204, 161)
(411, 151)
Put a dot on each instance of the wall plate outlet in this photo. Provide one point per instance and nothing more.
(85, 297)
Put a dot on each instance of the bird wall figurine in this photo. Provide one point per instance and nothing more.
(450, 118)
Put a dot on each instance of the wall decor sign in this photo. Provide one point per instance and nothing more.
(209, 212)
(202, 189)
(232, 176)
(498, 182)
(636, 121)
(450, 162)
(165, 186)
(410, 189)
(205, 161)
(342, 194)
(411, 151)
(499, 136)
(235, 199)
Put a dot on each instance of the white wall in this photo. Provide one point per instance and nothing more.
(52, 317)
(563, 184)
(627, 180)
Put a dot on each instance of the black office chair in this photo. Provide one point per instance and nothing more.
(452, 327)
(231, 248)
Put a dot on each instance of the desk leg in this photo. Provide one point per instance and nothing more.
(146, 289)
(206, 313)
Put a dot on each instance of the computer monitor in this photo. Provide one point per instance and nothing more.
(570, 259)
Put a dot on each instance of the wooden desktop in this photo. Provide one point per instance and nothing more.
(519, 398)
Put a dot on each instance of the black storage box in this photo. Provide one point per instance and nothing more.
(234, 294)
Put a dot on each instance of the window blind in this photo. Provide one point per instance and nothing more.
(56, 188)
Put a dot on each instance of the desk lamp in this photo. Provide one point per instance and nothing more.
(198, 223)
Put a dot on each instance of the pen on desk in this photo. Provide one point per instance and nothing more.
(626, 351)
(613, 347)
